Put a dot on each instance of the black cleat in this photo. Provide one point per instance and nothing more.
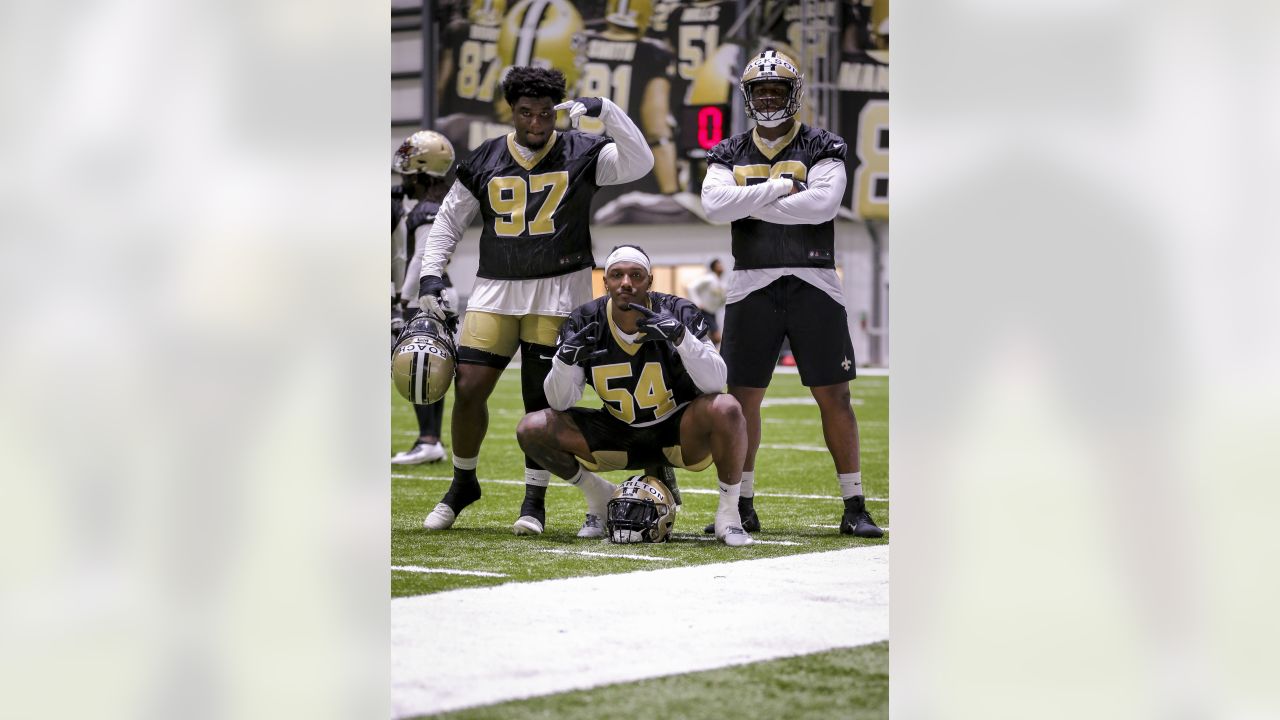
(747, 511)
(857, 521)
(533, 512)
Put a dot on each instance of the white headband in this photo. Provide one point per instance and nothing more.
(626, 253)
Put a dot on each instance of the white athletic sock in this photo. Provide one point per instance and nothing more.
(748, 483)
(727, 511)
(540, 478)
(850, 484)
(598, 490)
(466, 463)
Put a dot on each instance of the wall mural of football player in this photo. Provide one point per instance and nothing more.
(532, 190)
(467, 80)
(707, 64)
(864, 106)
(620, 63)
(781, 185)
(648, 358)
(636, 71)
(538, 33)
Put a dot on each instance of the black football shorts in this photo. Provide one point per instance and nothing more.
(816, 325)
(619, 446)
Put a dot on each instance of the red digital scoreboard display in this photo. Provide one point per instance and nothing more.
(702, 127)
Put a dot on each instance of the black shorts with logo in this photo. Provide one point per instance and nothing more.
(618, 446)
(816, 325)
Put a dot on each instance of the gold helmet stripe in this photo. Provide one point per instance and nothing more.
(529, 31)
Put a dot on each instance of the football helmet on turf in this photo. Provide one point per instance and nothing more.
(642, 510)
(423, 360)
(425, 151)
(772, 66)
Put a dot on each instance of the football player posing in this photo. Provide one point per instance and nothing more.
(781, 185)
(647, 356)
(532, 190)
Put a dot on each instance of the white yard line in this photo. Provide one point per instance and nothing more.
(709, 538)
(446, 571)
(588, 553)
(479, 646)
(683, 489)
(805, 448)
(837, 527)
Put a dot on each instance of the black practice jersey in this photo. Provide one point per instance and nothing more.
(760, 244)
(535, 214)
(640, 383)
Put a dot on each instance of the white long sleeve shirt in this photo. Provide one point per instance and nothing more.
(624, 160)
(724, 200)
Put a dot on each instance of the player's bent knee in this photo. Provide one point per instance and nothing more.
(533, 428)
(727, 409)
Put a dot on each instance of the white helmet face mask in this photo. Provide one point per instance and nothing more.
(772, 66)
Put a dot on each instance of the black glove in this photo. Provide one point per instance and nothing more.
(659, 326)
(580, 347)
(431, 300)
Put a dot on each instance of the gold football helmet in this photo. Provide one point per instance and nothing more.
(630, 14)
(423, 360)
(540, 33)
(772, 66)
(642, 510)
(486, 12)
(425, 151)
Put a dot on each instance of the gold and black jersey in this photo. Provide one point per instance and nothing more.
(759, 244)
(535, 213)
(640, 383)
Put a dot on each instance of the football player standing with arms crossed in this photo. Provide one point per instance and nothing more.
(781, 185)
(533, 190)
